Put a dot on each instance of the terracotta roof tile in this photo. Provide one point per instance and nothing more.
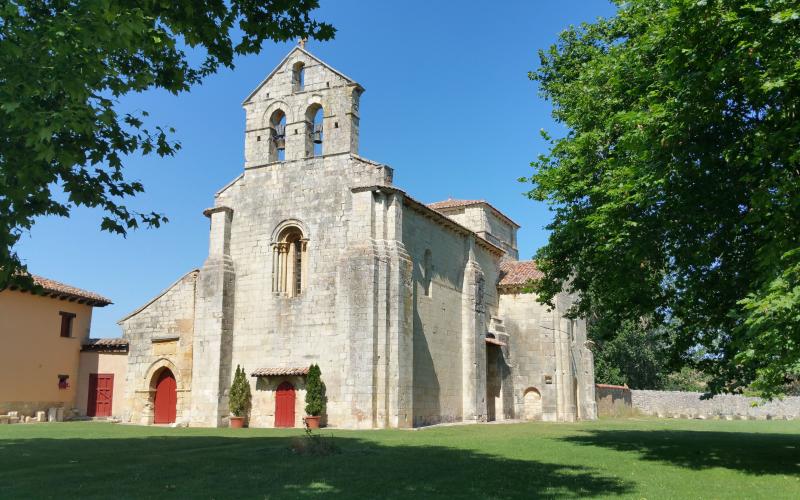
(116, 344)
(518, 273)
(63, 291)
(115, 341)
(451, 203)
(278, 372)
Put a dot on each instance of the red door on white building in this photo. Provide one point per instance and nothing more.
(284, 405)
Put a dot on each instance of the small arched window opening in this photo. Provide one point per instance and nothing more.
(298, 77)
(289, 262)
(314, 116)
(277, 128)
(427, 272)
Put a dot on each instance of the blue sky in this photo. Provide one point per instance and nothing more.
(448, 105)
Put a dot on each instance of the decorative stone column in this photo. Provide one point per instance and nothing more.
(211, 364)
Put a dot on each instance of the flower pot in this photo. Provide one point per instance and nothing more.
(312, 422)
(237, 422)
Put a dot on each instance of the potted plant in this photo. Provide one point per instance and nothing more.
(315, 397)
(239, 398)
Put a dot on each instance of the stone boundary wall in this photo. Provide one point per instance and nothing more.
(612, 400)
(677, 404)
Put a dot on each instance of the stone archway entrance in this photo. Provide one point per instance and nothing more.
(284, 405)
(165, 401)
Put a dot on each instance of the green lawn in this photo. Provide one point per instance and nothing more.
(642, 458)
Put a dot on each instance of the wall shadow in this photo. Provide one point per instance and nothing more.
(752, 453)
(264, 467)
(425, 393)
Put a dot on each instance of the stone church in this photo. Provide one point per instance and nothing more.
(414, 313)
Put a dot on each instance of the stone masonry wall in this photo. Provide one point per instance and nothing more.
(482, 220)
(531, 345)
(728, 406)
(275, 331)
(437, 319)
(548, 354)
(160, 336)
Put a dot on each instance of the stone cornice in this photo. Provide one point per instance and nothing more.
(432, 214)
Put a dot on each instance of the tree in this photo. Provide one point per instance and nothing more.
(63, 67)
(315, 392)
(633, 356)
(676, 191)
(239, 397)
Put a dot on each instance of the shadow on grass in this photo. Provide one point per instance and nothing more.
(225, 467)
(752, 453)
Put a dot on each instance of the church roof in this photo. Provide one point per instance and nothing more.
(278, 372)
(283, 61)
(518, 273)
(453, 203)
(58, 290)
(106, 345)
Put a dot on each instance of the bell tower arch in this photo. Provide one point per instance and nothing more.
(318, 105)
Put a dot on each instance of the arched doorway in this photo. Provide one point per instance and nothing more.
(284, 405)
(533, 404)
(165, 402)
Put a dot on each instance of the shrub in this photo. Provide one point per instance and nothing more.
(239, 397)
(315, 392)
(314, 444)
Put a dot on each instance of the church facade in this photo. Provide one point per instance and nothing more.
(414, 313)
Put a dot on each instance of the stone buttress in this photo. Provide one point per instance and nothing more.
(213, 325)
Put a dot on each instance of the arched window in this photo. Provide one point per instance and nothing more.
(314, 116)
(427, 271)
(277, 130)
(298, 77)
(289, 262)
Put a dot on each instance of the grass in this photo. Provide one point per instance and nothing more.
(632, 458)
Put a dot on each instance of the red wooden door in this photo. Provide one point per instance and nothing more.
(101, 394)
(284, 405)
(166, 400)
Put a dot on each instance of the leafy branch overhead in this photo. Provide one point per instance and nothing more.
(676, 191)
(63, 66)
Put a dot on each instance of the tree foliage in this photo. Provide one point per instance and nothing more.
(676, 191)
(633, 357)
(63, 67)
(315, 392)
(239, 397)
(636, 355)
